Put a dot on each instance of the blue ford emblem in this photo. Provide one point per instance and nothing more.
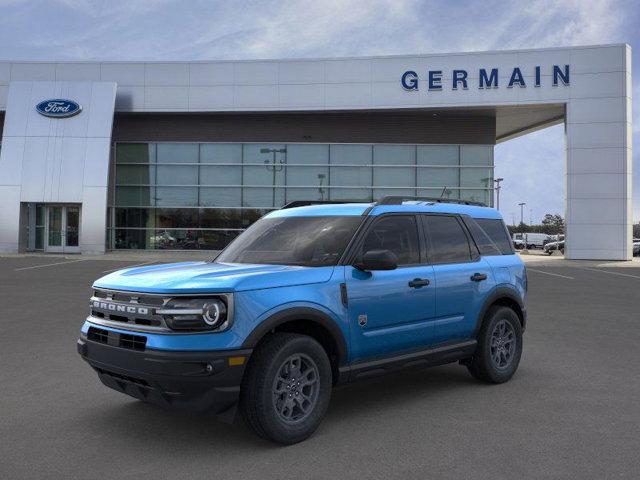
(58, 108)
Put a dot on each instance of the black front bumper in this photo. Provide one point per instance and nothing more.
(197, 381)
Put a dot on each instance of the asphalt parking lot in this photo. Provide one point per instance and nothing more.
(571, 411)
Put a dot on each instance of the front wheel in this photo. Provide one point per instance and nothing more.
(499, 347)
(287, 388)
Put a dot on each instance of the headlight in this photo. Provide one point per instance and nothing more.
(195, 314)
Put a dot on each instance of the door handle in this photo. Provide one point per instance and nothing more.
(418, 282)
(478, 277)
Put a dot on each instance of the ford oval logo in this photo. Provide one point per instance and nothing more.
(58, 108)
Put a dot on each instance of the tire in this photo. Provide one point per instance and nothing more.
(490, 363)
(273, 402)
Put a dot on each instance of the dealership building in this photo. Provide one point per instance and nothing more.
(99, 156)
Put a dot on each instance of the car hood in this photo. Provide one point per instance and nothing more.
(206, 277)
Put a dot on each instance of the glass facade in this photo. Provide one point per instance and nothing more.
(202, 195)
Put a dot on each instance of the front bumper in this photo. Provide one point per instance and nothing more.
(198, 381)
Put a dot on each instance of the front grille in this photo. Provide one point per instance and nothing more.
(98, 335)
(135, 342)
(115, 339)
(128, 308)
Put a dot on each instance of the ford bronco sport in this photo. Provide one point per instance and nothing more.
(309, 297)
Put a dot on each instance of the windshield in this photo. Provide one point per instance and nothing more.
(306, 241)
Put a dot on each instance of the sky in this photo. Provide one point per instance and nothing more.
(532, 166)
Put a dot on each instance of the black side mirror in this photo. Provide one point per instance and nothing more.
(377, 260)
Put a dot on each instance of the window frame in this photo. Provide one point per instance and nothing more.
(474, 252)
(354, 249)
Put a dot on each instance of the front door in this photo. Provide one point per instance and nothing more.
(391, 311)
(62, 229)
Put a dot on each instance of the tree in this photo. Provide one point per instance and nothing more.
(553, 224)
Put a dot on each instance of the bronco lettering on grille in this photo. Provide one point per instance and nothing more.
(116, 307)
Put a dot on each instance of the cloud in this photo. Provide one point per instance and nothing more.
(249, 29)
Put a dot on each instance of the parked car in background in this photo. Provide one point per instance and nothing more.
(518, 244)
(636, 247)
(551, 247)
(532, 240)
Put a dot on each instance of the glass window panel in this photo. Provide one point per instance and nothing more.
(378, 193)
(39, 238)
(135, 152)
(351, 154)
(132, 239)
(398, 234)
(476, 155)
(263, 197)
(221, 153)
(177, 175)
(134, 196)
(482, 196)
(438, 177)
(220, 197)
(134, 217)
(264, 173)
(177, 152)
(40, 217)
(351, 176)
(307, 194)
(476, 177)
(394, 176)
(355, 194)
(449, 243)
(176, 196)
(176, 217)
(221, 175)
(438, 155)
(221, 218)
(310, 175)
(449, 193)
(135, 174)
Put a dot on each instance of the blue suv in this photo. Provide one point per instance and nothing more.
(310, 296)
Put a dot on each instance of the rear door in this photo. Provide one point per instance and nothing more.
(391, 311)
(463, 278)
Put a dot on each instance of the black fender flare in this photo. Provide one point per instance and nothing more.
(299, 313)
(498, 294)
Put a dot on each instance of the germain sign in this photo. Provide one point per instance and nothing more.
(487, 78)
(58, 108)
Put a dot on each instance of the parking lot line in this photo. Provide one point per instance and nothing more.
(549, 273)
(611, 273)
(48, 265)
(130, 266)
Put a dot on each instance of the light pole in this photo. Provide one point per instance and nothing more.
(522, 212)
(497, 182)
(274, 166)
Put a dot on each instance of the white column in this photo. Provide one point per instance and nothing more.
(598, 174)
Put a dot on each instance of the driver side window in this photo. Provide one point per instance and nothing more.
(396, 233)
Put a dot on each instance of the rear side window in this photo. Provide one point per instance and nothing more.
(396, 233)
(449, 242)
(497, 232)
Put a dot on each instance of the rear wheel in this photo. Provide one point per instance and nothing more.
(287, 388)
(499, 346)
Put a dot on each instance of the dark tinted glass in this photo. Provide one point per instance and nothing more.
(497, 232)
(485, 244)
(306, 241)
(398, 234)
(449, 242)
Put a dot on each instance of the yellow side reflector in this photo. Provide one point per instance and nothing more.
(236, 361)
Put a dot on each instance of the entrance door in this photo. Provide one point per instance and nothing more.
(62, 229)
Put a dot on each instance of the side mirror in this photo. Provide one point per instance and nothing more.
(377, 260)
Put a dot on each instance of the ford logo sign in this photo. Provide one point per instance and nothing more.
(58, 108)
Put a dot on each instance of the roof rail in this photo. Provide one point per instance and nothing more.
(398, 200)
(306, 203)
